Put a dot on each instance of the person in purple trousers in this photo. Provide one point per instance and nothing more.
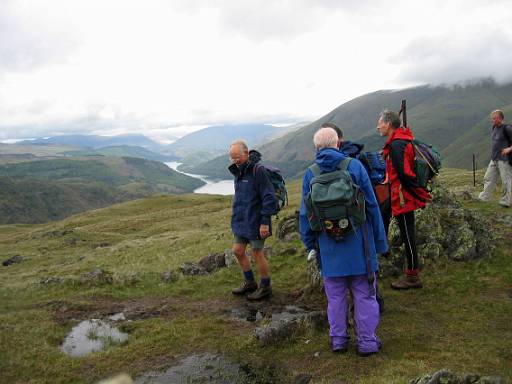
(344, 263)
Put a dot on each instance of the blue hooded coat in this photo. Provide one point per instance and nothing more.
(345, 258)
(254, 201)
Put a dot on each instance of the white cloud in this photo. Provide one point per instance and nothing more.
(165, 67)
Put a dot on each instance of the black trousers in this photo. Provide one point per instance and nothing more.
(408, 234)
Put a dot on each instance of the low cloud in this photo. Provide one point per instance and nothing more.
(282, 20)
(452, 59)
(31, 39)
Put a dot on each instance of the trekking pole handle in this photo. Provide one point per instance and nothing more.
(403, 112)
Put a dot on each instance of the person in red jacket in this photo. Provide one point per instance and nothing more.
(406, 194)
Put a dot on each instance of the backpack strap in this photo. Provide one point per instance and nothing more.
(315, 169)
(369, 273)
(505, 126)
(343, 165)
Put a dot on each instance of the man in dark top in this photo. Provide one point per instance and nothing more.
(501, 149)
(253, 204)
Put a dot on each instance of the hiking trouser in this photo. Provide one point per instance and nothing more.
(408, 234)
(491, 177)
(366, 312)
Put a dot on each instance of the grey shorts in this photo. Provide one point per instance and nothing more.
(255, 244)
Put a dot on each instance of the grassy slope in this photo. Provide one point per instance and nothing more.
(461, 320)
(44, 190)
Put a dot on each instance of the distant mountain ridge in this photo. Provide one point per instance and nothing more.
(217, 138)
(96, 141)
(454, 119)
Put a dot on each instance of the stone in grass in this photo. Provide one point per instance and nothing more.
(229, 257)
(98, 276)
(285, 324)
(168, 277)
(191, 269)
(213, 262)
(13, 260)
(445, 376)
(51, 280)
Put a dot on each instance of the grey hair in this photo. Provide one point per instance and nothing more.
(325, 138)
(498, 112)
(241, 144)
(388, 116)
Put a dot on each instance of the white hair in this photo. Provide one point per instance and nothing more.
(325, 138)
(241, 144)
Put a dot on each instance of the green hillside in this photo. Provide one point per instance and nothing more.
(476, 140)
(44, 190)
(41, 201)
(438, 115)
(460, 320)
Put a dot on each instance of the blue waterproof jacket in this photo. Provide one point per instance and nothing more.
(347, 257)
(254, 201)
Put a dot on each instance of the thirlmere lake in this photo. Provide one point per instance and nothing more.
(222, 187)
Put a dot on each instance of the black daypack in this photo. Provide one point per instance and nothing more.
(277, 181)
(509, 141)
(335, 204)
(427, 162)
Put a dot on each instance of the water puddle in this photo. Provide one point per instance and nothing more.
(92, 336)
(204, 368)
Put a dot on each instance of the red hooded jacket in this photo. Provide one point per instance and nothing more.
(406, 194)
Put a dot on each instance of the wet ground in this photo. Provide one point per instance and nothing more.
(201, 368)
(92, 336)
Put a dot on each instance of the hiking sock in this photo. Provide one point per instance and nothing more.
(249, 276)
(265, 282)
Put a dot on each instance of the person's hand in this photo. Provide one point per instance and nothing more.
(506, 151)
(264, 231)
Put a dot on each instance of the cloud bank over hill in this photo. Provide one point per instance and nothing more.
(165, 68)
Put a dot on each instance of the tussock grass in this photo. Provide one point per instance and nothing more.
(460, 320)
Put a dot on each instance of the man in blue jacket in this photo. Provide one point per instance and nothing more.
(344, 264)
(253, 204)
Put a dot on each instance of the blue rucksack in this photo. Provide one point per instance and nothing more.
(375, 166)
(277, 181)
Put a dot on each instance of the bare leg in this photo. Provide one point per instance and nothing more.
(243, 260)
(261, 262)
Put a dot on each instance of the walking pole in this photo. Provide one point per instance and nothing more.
(474, 171)
(403, 112)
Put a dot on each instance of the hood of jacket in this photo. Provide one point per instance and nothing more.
(329, 158)
(351, 148)
(400, 134)
(254, 157)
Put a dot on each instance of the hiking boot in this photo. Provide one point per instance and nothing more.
(338, 349)
(407, 282)
(245, 287)
(260, 293)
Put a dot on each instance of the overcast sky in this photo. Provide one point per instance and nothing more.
(164, 67)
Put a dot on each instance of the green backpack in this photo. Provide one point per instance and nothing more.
(335, 204)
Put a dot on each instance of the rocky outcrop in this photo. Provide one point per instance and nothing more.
(13, 260)
(285, 324)
(443, 229)
(191, 269)
(213, 262)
